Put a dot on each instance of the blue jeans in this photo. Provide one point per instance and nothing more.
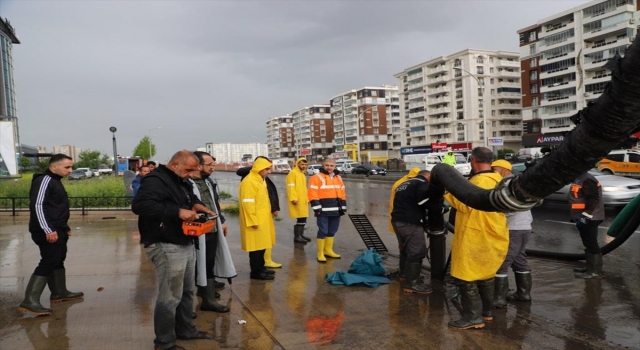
(328, 226)
(175, 272)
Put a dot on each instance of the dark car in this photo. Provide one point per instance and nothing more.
(369, 170)
(77, 175)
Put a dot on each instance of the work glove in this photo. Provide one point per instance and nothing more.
(583, 220)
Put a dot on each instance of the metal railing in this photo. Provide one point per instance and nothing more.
(82, 204)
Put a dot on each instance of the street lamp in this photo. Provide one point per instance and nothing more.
(115, 151)
(149, 133)
(484, 105)
(358, 131)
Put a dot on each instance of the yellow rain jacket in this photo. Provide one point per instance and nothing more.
(296, 182)
(255, 209)
(481, 238)
(412, 173)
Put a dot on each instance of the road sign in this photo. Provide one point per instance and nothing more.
(495, 141)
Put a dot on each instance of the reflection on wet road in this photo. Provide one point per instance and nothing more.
(299, 310)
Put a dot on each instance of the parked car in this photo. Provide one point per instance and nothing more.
(369, 170)
(95, 172)
(313, 169)
(347, 168)
(617, 191)
(509, 156)
(87, 171)
(77, 175)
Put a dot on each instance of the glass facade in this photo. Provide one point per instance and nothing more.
(8, 107)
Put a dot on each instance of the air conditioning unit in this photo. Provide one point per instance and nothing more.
(586, 94)
(632, 21)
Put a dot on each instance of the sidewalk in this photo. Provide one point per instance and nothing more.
(296, 311)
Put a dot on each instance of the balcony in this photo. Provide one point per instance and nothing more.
(415, 85)
(507, 84)
(506, 63)
(418, 133)
(511, 137)
(417, 114)
(558, 86)
(602, 33)
(439, 79)
(508, 116)
(442, 139)
(416, 105)
(435, 101)
(600, 77)
(612, 42)
(439, 90)
(441, 131)
(438, 69)
(433, 111)
(508, 127)
(508, 95)
(436, 121)
(509, 106)
(506, 73)
(559, 99)
(415, 95)
(417, 123)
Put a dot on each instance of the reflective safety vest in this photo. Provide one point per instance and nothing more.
(578, 198)
(327, 194)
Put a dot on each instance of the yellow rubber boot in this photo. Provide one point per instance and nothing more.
(321, 245)
(267, 260)
(328, 249)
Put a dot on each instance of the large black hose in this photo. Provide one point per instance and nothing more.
(602, 126)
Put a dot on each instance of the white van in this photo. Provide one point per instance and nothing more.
(341, 162)
(428, 161)
(281, 166)
(348, 167)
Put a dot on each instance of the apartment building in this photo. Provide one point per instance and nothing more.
(461, 101)
(313, 132)
(70, 150)
(280, 141)
(8, 108)
(562, 60)
(228, 153)
(360, 122)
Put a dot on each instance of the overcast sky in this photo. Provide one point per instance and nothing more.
(215, 71)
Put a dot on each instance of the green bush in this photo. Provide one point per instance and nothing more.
(106, 186)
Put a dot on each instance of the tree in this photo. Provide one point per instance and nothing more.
(92, 159)
(25, 163)
(145, 148)
(501, 152)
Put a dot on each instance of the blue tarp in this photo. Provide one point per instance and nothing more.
(366, 270)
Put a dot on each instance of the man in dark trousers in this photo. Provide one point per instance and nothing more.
(413, 198)
(164, 202)
(587, 210)
(49, 213)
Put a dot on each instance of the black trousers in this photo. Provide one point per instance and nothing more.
(301, 221)
(589, 236)
(212, 246)
(52, 255)
(256, 261)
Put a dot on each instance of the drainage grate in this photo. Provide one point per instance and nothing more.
(367, 232)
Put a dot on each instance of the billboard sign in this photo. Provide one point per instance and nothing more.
(8, 160)
(495, 141)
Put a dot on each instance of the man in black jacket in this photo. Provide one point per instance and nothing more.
(413, 198)
(49, 213)
(165, 200)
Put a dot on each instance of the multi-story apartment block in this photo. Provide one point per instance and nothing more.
(313, 132)
(71, 151)
(562, 60)
(360, 119)
(445, 102)
(228, 153)
(8, 108)
(280, 141)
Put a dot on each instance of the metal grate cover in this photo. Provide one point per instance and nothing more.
(367, 232)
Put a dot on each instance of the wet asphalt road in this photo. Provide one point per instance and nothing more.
(299, 310)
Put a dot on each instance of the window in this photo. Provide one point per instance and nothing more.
(459, 94)
(491, 70)
(533, 75)
(533, 62)
(374, 93)
(615, 157)
(480, 92)
(457, 63)
(532, 49)
(479, 60)
(458, 84)
(634, 157)
(459, 105)
(493, 113)
(493, 92)
(534, 101)
(376, 122)
(458, 73)
(533, 35)
(534, 88)
(375, 130)
(322, 122)
(460, 115)
(460, 127)
(480, 69)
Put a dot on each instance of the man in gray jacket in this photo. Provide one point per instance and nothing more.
(519, 228)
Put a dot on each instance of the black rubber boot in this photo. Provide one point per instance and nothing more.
(58, 288)
(500, 292)
(523, 287)
(486, 289)
(411, 284)
(399, 274)
(471, 307)
(297, 233)
(302, 233)
(209, 302)
(581, 269)
(594, 267)
(31, 302)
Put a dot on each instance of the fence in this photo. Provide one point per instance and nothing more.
(82, 204)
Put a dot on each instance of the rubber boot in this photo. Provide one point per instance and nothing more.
(399, 274)
(581, 269)
(31, 302)
(208, 295)
(328, 249)
(411, 284)
(594, 267)
(302, 233)
(58, 287)
(471, 307)
(267, 260)
(297, 234)
(523, 287)
(321, 245)
(486, 288)
(500, 292)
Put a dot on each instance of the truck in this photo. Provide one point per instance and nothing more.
(129, 163)
(429, 160)
(281, 165)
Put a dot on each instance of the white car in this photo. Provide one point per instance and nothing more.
(313, 169)
(87, 171)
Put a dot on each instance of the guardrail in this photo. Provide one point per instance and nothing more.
(82, 204)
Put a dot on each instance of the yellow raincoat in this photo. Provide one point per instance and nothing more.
(296, 182)
(481, 238)
(412, 173)
(255, 209)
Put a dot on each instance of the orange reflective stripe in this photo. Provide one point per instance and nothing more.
(578, 206)
(575, 189)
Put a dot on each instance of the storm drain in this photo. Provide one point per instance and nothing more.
(367, 232)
